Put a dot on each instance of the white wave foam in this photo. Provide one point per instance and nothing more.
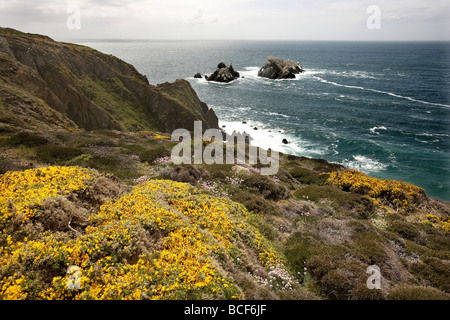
(375, 129)
(250, 72)
(277, 114)
(382, 92)
(310, 72)
(203, 81)
(353, 74)
(364, 164)
(272, 138)
(425, 134)
(432, 141)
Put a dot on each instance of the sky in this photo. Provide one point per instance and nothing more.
(361, 20)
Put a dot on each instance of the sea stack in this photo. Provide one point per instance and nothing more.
(223, 74)
(276, 68)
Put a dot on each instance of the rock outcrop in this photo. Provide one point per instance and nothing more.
(276, 68)
(223, 74)
(47, 83)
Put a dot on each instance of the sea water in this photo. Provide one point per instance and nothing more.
(379, 107)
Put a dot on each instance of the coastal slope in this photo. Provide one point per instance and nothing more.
(86, 180)
(44, 82)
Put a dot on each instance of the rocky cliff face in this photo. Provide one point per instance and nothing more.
(48, 83)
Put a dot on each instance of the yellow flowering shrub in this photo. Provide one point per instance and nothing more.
(397, 193)
(22, 192)
(439, 222)
(162, 240)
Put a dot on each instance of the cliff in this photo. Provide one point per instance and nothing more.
(48, 83)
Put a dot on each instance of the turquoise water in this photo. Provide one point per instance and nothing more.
(383, 108)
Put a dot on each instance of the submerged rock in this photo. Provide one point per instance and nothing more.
(223, 74)
(276, 68)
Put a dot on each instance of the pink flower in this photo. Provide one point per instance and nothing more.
(163, 160)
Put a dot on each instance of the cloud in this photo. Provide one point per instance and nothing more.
(238, 19)
(202, 16)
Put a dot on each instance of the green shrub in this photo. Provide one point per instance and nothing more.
(406, 230)
(6, 166)
(372, 251)
(361, 292)
(285, 177)
(410, 292)
(297, 250)
(256, 203)
(306, 176)
(103, 163)
(266, 187)
(434, 271)
(85, 142)
(53, 154)
(26, 139)
(337, 272)
(219, 171)
(154, 153)
(439, 242)
(360, 206)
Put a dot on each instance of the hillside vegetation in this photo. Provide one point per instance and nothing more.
(140, 227)
(86, 180)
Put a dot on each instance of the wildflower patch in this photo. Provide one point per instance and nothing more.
(397, 193)
(162, 240)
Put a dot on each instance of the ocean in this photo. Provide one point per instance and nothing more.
(379, 107)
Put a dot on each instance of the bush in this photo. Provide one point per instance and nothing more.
(372, 251)
(410, 292)
(362, 206)
(406, 230)
(151, 155)
(256, 203)
(26, 139)
(306, 176)
(53, 154)
(400, 194)
(337, 273)
(361, 292)
(266, 187)
(103, 162)
(185, 173)
(219, 171)
(6, 166)
(434, 271)
(297, 251)
(344, 281)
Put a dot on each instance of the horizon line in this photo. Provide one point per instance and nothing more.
(272, 40)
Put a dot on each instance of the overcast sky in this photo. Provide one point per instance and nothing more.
(231, 19)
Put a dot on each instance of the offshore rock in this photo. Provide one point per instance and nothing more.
(223, 74)
(276, 68)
